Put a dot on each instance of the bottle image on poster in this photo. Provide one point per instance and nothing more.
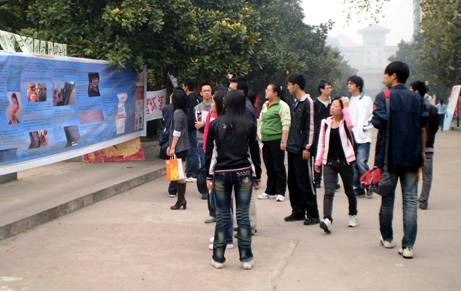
(120, 119)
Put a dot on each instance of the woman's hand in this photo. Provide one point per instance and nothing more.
(345, 101)
(317, 169)
(170, 151)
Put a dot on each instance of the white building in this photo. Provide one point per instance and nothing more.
(371, 58)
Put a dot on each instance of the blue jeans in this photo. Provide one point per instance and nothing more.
(409, 185)
(242, 183)
(362, 152)
(201, 154)
(192, 160)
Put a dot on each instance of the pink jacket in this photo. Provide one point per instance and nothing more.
(209, 118)
(324, 139)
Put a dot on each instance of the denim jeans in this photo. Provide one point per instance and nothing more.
(201, 154)
(192, 164)
(362, 153)
(409, 184)
(242, 183)
(427, 180)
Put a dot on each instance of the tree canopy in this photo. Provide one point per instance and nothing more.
(198, 39)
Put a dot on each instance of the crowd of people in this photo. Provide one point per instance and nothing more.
(218, 133)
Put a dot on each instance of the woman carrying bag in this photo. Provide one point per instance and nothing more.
(179, 141)
(335, 152)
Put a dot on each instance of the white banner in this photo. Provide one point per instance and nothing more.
(7, 41)
(452, 103)
(155, 100)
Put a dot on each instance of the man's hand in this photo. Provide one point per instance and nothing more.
(257, 184)
(306, 154)
(317, 169)
(209, 185)
(283, 146)
(199, 124)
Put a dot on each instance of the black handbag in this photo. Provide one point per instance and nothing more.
(201, 181)
(386, 184)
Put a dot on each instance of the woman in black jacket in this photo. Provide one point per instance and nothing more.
(233, 162)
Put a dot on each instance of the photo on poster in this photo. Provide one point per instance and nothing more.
(91, 116)
(15, 107)
(93, 84)
(64, 94)
(8, 154)
(38, 138)
(72, 135)
(36, 92)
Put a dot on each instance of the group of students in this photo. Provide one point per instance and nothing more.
(335, 135)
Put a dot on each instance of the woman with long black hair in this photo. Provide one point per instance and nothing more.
(234, 164)
(179, 141)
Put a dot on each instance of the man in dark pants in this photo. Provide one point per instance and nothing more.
(322, 110)
(192, 160)
(406, 152)
(303, 198)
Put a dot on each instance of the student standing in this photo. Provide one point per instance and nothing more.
(232, 157)
(179, 141)
(275, 124)
(301, 188)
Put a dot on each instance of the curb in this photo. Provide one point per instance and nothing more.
(24, 224)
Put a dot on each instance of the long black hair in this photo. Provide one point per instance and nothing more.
(234, 116)
(179, 100)
(218, 98)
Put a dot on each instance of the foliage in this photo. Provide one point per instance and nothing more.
(198, 39)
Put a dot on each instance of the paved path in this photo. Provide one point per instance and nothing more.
(134, 242)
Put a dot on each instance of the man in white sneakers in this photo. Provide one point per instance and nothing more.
(361, 110)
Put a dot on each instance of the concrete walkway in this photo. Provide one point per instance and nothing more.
(134, 242)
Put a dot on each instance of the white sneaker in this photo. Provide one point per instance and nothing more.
(230, 246)
(280, 198)
(248, 265)
(191, 180)
(407, 253)
(325, 224)
(352, 221)
(217, 265)
(264, 196)
(212, 239)
(386, 244)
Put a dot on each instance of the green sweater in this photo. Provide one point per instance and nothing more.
(274, 119)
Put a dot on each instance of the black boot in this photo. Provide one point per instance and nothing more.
(181, 202)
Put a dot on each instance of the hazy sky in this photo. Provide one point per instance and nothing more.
(397, 16)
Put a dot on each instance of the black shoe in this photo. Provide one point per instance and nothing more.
(293, 217)
(369, 194)
(422, 205)
(359, 193)
(204, 196)
(337, 187)
(179, 205)
(311, 221)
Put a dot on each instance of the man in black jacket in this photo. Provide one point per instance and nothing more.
(321, 111)
(192, 160)
(431, 130)
(303, 198)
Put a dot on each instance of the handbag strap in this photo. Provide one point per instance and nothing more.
(387, 98)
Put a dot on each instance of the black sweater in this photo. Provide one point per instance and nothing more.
(232, 146)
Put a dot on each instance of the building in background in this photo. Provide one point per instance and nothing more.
(370, 58)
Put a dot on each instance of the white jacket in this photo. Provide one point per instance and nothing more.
(361, 110)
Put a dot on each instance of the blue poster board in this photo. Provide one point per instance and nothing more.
(56, 108)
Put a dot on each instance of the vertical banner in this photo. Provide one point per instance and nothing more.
(452, 102)
(57, 108)
(155, 101)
